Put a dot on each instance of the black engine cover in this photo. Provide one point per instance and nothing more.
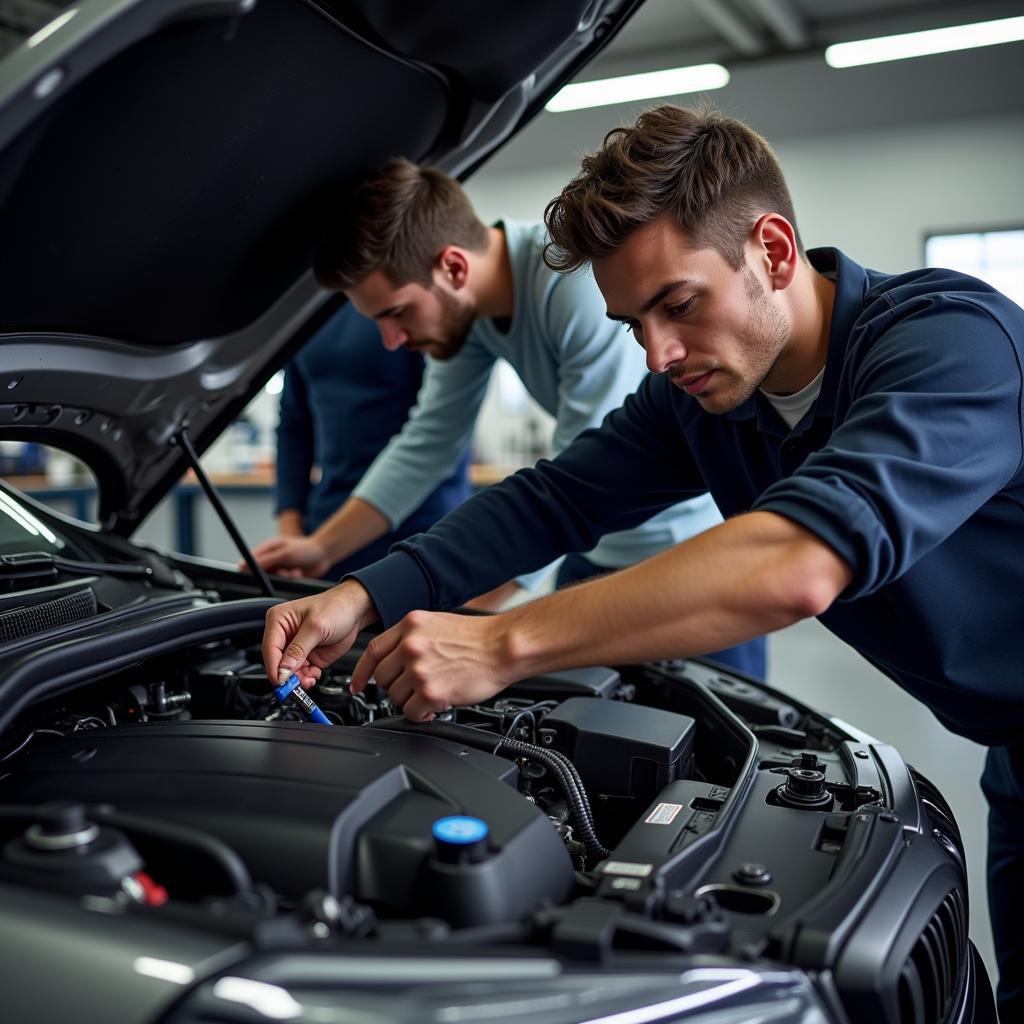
(311, 806)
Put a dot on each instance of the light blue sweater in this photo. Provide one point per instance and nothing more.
(578, 366)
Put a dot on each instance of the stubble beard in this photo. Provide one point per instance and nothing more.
(765, 332)
(456, 322)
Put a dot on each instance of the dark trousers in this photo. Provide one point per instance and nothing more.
(1003, 785)
(750, 658)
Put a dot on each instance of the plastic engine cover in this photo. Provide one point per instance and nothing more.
(306, 806)
(623, 750)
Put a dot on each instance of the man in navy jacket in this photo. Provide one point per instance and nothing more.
(862, 433)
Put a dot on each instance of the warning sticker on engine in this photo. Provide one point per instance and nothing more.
(663, 814)
(626, 867)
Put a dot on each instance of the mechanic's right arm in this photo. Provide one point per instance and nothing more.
(634, 466)
(289, 523)
(509, 528)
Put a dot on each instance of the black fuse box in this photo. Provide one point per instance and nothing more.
(622, 750)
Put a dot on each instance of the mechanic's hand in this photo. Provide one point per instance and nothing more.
(431, 661)
(292, 556)
(307, 635)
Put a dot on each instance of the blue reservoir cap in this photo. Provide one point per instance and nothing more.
(460, 830)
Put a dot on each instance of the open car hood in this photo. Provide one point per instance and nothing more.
(166, 170)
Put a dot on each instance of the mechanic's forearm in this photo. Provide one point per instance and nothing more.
(496, 598)
(363, 607)
(289, 523)
(356, 524)
(751, 575)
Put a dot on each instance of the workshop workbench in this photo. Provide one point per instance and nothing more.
(79, 499)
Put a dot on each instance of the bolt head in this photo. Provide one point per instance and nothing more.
(752, 873)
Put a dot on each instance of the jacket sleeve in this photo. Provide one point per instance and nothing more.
(295, 444)
(608, 479)
(932, 432)
(428, 448)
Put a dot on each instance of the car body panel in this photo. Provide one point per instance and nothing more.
(159, 226)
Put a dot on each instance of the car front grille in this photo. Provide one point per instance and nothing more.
(931, 978)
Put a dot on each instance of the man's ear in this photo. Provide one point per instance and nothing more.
(774, 239)
(453, 266)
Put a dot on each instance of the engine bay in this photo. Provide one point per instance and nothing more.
(591, 782)
(601, 815)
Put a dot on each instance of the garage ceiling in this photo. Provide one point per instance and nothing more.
(688, 31)
(685, 31)
(773, 49)
(780, 82)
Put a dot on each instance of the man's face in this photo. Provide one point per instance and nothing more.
(713, 329)
(435, 320)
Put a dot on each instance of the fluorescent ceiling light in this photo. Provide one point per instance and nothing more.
(672, 82)
(920, 44)
(48, 29)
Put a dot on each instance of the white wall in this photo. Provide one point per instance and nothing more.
(873, 194)
(877, 195)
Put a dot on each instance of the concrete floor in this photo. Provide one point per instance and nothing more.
(816, 667)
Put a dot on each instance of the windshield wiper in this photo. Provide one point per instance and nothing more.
(41, 563)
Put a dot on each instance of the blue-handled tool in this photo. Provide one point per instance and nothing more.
(291, 694)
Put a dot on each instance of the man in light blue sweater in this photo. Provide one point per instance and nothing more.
(411, 254)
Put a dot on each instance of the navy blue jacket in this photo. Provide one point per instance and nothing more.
(909, 464)
(345, 396)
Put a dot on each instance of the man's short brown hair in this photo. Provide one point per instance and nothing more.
(397, 220)
(711, 173)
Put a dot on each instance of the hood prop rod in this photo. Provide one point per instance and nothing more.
(182, 440)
